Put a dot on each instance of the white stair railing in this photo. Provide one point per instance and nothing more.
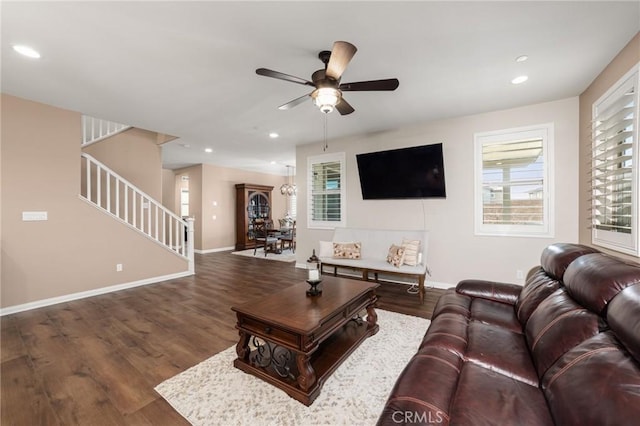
(96, 129)
(118, 197)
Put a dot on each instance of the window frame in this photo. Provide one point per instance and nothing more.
(339, 157)
(546, 133)
(618, 241)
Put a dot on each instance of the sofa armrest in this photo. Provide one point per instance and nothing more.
(499, 292)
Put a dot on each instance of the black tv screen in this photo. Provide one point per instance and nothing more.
(416, 172)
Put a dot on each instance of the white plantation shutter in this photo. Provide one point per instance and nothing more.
(326, 191)
(614, 168)
(293, 205)
(513, 175)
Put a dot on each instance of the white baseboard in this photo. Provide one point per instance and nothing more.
(214, 250)
(84, 294)
(427, 283)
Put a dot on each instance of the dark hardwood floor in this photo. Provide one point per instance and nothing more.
(96, 361)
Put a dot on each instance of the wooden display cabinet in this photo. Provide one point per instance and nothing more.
(252, 202)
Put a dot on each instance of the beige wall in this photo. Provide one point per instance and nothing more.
(169, 191)
(134, 155)
(455, 253)
(212, 202)
(623, 62)
(77, 248)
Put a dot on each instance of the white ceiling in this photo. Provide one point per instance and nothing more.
(188, 68)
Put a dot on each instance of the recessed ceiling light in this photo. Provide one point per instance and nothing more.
(273, 135)
(520, 79)
(522, 58)
(26, 51)
(208, 150)
(273, 162)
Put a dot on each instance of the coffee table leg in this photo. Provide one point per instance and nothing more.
(242, 348)
(307, 376)
(372, 319)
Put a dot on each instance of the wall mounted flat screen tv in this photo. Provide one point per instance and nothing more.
(415, 172)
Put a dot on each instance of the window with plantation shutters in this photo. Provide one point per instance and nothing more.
(513, 181)
(326, 191)
(614, 167)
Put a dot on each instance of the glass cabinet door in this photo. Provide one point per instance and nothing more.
(257, 208)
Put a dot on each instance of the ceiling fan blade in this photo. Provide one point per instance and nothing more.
(282, 76)
(388, 84)
(343, 107)
(341, 55)
(296, 101)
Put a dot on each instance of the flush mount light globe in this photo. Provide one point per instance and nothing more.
(326, 98)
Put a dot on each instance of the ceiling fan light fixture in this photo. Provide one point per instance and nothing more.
(326, 98)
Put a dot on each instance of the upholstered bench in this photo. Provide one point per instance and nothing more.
(374, 246)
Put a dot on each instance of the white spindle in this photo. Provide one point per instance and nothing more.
(141, 213)
(88, 184)
(126, 203)
(164, 228)
(157, 236)
(98, 186)
(170, 233)
(177, 235)
(108, 176)
(133, 207)
(118, 198)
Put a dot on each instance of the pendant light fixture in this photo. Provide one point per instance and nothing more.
(289, 188)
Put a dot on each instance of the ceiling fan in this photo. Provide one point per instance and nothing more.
(327, 93)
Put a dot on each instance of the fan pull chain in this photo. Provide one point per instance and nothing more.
(326, 145)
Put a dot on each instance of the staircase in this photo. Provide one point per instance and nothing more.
(114, 195)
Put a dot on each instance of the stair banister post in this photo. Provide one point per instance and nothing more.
(190, 237)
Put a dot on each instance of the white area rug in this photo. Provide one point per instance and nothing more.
(286, 256)
(214, 392)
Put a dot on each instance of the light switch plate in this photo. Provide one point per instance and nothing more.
(34, 216)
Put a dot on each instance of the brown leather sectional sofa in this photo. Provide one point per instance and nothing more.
(564, 349)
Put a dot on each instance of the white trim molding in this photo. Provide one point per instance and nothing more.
(89, 293)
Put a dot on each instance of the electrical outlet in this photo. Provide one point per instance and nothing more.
(519, 274)
(118, 267)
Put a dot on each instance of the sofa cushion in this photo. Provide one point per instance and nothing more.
(556, 258)
(624, 306)
(510, 358)
(485, 397)
(347, 250)
(395, 256)
(537, 288)
(558, 325)
(495, 313)
(411, 250)
(452, 302)
(594, 279)
(596, 383)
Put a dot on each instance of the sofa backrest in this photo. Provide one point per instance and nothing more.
(585, 342)
(376, 242)
(547, 278)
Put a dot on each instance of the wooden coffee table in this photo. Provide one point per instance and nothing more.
(295, 341)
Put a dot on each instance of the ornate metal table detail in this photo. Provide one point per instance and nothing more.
(268, 354)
